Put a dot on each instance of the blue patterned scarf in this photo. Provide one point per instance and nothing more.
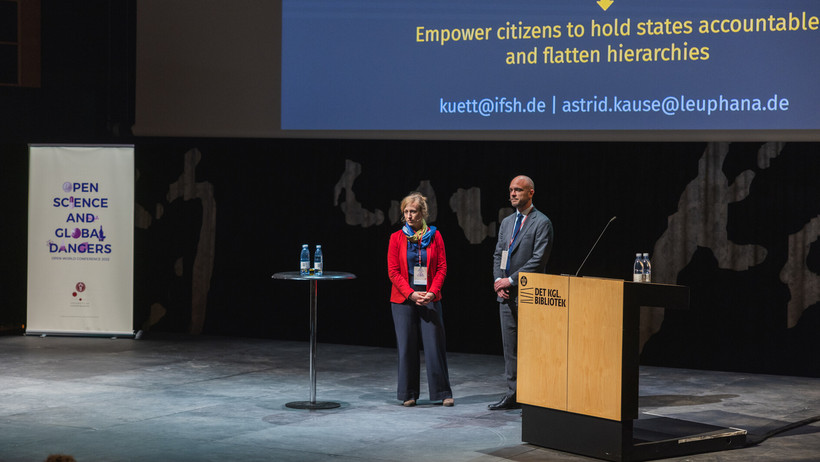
(423, 235)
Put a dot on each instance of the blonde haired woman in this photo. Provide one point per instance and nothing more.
(417, 266)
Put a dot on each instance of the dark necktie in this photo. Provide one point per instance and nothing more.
(517, 227)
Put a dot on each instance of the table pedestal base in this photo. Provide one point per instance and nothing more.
(313, 405)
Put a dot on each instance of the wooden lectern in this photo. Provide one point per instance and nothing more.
(578, 355)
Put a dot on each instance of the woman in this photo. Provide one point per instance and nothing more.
(417, 266)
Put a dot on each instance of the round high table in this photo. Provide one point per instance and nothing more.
(314, 279)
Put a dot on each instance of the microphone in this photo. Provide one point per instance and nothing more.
(593, 245)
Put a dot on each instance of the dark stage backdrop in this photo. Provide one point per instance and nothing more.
(216, 218)
(736, 222)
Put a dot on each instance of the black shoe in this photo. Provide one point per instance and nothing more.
(507, 402)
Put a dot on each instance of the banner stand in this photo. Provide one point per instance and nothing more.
(81, 241)
(61, 333)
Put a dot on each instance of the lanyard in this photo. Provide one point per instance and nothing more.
(418, 275)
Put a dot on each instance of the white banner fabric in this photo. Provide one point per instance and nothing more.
(81, 240)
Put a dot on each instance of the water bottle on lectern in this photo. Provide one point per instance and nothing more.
(647, 268)
(304, 260)
(637, 268)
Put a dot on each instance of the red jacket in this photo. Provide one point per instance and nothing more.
(398, 272)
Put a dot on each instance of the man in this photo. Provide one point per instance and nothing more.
(524, 244)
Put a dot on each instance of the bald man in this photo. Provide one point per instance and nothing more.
(524, 244)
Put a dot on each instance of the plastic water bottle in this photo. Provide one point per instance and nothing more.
(318, 263)
(304, 261)
(637, 269)
(647, 268)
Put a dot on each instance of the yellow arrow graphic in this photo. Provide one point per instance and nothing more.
(605, 4)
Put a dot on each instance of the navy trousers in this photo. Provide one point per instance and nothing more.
(410, 320)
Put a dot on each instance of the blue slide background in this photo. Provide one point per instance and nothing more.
(356, 65)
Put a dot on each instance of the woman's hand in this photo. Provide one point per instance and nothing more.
(422, 298)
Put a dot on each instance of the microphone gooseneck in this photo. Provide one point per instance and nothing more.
(593, 245)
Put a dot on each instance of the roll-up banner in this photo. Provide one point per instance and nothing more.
(81, 240)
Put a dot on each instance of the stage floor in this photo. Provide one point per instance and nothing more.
(179, 398)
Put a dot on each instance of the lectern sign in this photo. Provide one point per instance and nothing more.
(540, 295)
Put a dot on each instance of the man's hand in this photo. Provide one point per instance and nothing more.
(503, 283)
(502, 288)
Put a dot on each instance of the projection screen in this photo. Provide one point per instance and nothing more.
(446, 69)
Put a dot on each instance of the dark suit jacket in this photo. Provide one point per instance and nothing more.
(530, 251)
